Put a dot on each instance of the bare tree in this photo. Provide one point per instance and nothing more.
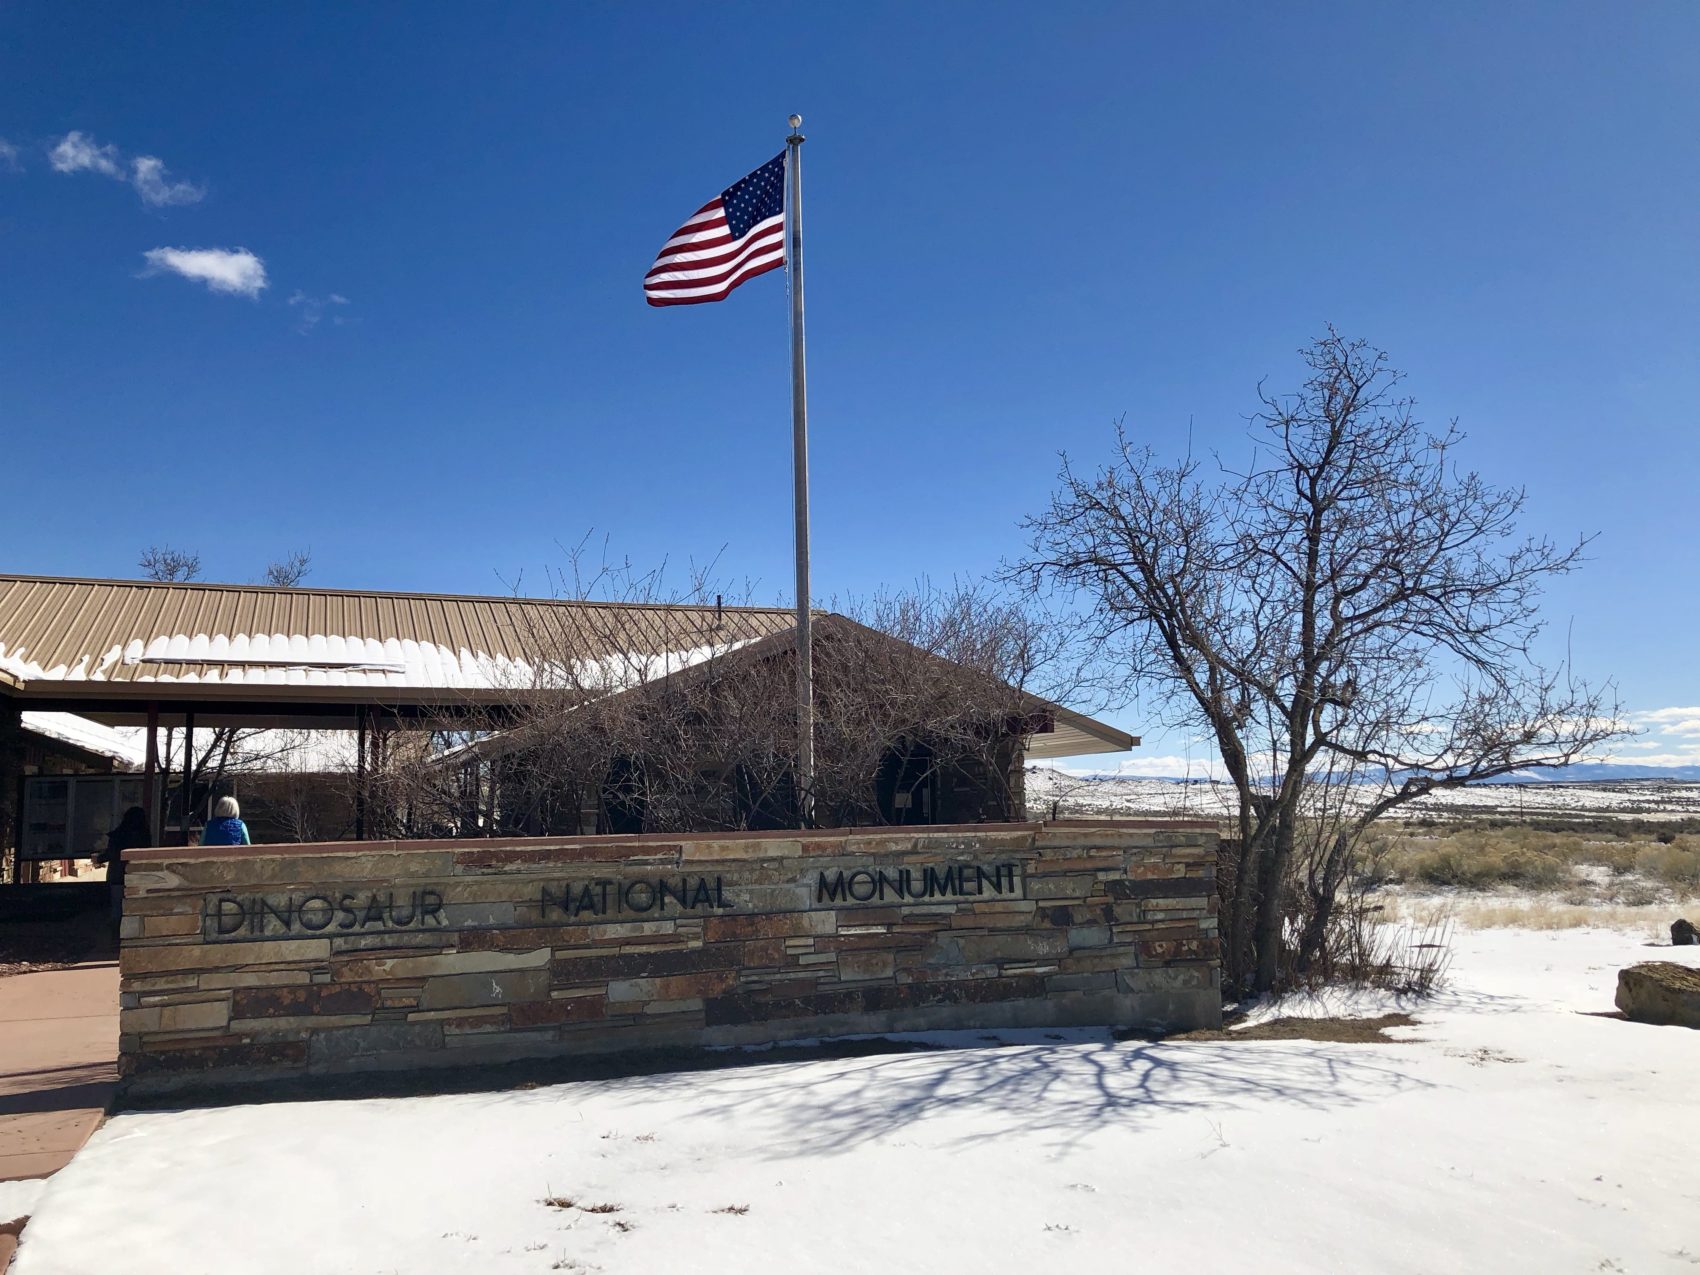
(168, 565)
(1349, 618)
(289, 571)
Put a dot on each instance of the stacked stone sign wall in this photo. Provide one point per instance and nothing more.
(249, 963)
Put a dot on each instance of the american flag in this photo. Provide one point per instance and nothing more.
(731, 238)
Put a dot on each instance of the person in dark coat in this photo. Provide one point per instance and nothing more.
(226, 828)
(130, 834)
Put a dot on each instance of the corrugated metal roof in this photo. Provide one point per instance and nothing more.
(97, 642)
(64, 630)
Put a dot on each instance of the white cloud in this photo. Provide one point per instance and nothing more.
(149, 178)
(1654, 759)
(79, 153)
(233, 270)
(1653, 716)
(312, 309)
(1665, 737)
(9, 155)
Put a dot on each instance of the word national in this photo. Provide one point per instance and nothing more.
(646, 894)
(906, 885)
(293, 914)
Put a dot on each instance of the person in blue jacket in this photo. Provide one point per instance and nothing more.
(226, 828)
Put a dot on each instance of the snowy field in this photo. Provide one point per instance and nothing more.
(1512, 1129)
(1083, 798)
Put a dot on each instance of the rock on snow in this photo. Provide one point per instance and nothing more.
(1660, 992)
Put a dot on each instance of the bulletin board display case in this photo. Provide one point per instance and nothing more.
(68, 816)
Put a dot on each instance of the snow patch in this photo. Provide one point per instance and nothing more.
(1518, 1131)
(18, 1199)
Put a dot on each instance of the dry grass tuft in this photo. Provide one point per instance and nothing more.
(1629, 860)
(1676, 864)
(1539, 912)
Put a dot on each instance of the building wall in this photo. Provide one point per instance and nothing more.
(25, 753)
(290, 961)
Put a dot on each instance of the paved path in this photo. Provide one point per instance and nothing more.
(58, 1064)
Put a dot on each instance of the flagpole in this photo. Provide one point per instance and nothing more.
(800, 476)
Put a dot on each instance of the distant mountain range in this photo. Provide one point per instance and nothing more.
(1601, 773)
(1596, 773)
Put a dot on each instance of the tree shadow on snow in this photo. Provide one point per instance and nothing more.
(1063, 1092)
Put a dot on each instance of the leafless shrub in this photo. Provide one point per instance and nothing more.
(1369, 947)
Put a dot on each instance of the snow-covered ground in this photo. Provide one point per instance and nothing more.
(1515, 1131)
(1076, 797)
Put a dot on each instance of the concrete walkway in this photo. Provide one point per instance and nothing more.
(58, 1064)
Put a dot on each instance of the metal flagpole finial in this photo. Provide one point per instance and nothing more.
(796, 129)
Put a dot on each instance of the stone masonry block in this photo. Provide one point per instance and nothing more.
(1082, 936)
(456, 991)
(538, 859)
(784, 925)
(199, 1016)
(139, 1019)
(366, 968)
(1104, 981)
(1025, 946)
(174, 925)
(201, 956)
(329, 1048)
(314, 998)
(1156, 953)
(578, 1009)
(217, 1058)
(584, 969)
(278, 872)
(741, 848)
(412, 942)
(1171, 979)
(672, 987)
(151, 983)
(859, 966)
(254, 978)
(1143, 871)
(1077, 885)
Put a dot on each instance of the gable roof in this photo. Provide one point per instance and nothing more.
(262, 655)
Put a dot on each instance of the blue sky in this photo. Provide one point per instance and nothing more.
(1024, 222)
